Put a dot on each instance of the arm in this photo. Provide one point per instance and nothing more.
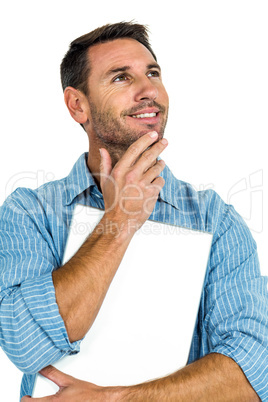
(214, 377)
(233, 317)
(130, 191)
(234, 307)
(32, 332)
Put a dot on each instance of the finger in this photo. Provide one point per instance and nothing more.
(154, 171)
(137, 148)
(154, 189)
(44, 399)
(148, 158)
(105, 166)
(58, 377)
(156, 186)
(49, 398)
(158, 183)
(25, 398)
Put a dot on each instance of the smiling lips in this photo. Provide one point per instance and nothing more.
(143, 115)
(149, 116)
(148, 113)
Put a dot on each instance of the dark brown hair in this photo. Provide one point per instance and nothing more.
(75, 66)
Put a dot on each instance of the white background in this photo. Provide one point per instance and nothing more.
(214, 60)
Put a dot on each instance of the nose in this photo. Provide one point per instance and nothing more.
(145, 89)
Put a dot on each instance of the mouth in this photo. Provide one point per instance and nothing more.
(144, 115)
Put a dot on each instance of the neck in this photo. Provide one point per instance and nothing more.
(93, 160)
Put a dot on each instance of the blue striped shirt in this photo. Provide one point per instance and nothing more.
(232, 318)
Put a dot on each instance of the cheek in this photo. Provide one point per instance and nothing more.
(163, 95)
(115, 99)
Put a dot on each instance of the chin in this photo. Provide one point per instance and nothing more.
(160, 133)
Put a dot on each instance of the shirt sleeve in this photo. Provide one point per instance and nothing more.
(32, 332)
(236, 301)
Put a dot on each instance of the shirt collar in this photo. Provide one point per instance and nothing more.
(80, 179)
(175, 191)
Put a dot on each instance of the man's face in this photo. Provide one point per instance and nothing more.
(126, 95)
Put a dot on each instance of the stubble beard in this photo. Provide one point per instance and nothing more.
(114, 135)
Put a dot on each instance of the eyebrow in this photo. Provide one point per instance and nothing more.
(126, 68)
(118, 70)
(154, 65)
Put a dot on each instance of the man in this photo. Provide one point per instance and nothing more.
(113, 88)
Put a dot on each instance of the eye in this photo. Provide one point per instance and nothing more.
(120, 78)
(154, 73)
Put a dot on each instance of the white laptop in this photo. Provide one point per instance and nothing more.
(144, 328)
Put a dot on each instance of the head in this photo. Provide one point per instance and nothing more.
(75, 66)
(111, 78)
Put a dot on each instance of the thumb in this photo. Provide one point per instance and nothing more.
(105, 166)
(58, 377)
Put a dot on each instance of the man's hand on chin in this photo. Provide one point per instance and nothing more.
(74, 390)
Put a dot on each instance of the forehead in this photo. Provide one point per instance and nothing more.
(117, 53)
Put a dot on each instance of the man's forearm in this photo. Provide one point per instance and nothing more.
(213, 378)
(130, 191)
(82, 283)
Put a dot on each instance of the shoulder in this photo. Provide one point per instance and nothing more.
(34, 200)
(201, 210)
(54, 194)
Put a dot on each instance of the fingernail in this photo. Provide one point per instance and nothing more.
(153, 134)
(164, 141)
(100, 152)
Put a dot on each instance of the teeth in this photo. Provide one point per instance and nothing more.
(141, 116)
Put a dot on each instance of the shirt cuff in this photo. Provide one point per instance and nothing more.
(39, 296)
(252, 357)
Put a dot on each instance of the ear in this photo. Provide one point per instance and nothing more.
(77, 104)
